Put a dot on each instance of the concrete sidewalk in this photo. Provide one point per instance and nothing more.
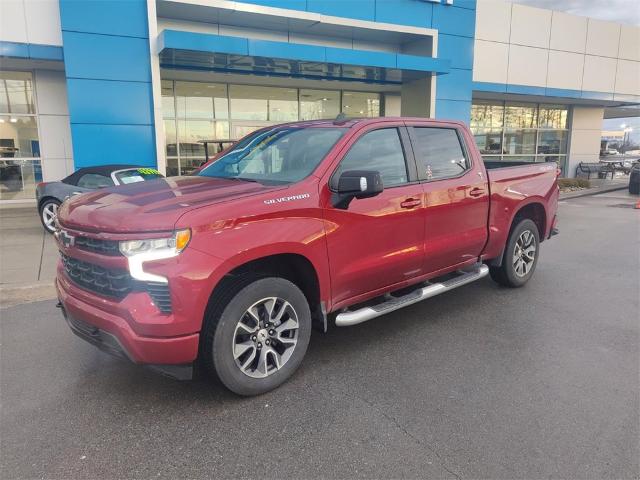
(28, 257)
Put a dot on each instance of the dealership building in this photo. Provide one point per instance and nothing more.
(147, 81)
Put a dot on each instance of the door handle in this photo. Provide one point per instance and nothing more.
(476, 192)
(411, 203)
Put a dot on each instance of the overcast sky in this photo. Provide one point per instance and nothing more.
(623, 11)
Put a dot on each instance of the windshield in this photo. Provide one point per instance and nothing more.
(135, 175)
(277, 155)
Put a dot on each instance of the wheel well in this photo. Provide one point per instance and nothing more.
(534, 212)
(293, 267)
(44, 199)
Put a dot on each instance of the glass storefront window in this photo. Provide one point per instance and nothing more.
(250, 102)
(319, 104)
(488, 141)
(520, 116)
(519, 141)
(19, 137)
(487, 116)
(361, 104)
(197, 111)
(553, 116)
(192, 132)
(201, 100)
(16, 93)
(552, 141)
(507, 131)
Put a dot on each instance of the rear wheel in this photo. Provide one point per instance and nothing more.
(520, 256)
(257, 340)
(48, 214)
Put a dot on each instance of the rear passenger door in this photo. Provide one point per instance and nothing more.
(456, 196)
(377, 241)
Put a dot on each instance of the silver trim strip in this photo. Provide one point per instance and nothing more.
(347, 319)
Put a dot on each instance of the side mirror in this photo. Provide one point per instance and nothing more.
(357, 184)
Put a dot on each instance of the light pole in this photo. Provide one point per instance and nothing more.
(625, 138)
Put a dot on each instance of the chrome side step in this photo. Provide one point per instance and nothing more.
(354, 317)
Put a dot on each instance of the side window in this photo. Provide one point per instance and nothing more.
(379, 150)
(94, 180)
(438, 153)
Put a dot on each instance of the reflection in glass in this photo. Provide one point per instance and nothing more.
(361, 104)
(19, 137)
(552, 141)
(553, 116)
(319, 104)
(16, 92)
(520, 117)
(519, 158)
(487, 115)
(173, 167)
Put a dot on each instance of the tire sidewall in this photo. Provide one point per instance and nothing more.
(509, 269)
(226, 369)
(42, 207)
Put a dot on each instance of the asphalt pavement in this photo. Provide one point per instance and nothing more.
(481, 382)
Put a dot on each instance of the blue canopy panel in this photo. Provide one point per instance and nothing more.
(208, 52)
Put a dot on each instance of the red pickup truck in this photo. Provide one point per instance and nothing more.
(294, 226)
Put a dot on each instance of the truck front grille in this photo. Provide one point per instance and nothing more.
(97, 245)
(114, 283)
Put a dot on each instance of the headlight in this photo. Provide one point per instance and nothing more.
(140, 251)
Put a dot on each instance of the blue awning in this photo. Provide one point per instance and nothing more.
(199, 51)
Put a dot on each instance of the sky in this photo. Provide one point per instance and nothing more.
(623, 11)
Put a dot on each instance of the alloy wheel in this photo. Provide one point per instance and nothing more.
(265, 337)
(524, 253)
(49, 213)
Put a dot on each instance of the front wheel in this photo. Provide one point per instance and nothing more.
(520, 256)
(48, 214)
(258, 339)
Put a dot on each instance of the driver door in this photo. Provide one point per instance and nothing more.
(379, 241)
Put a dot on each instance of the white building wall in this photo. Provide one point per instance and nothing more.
(53, 124)
(545, 48)
(584, 140)
(30, 21)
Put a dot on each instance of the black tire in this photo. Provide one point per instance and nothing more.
(506, 273)
(634, 188)
(41, 211)
(219, 332)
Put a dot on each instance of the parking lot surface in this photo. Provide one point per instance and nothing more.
(481, 382)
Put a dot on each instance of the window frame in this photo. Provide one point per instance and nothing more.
(463, 145)
(407, 152)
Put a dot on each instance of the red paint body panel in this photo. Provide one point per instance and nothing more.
(402, 236)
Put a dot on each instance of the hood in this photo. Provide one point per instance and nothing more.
(153, 205)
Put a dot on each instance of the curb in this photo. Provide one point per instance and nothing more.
(592, 191)
(12, 295)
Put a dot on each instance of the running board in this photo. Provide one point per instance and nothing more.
(392, 304)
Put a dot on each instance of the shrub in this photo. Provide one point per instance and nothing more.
(574, 182)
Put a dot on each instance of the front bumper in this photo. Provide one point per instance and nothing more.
(110, 332)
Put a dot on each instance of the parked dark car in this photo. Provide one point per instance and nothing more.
(51, 194)
(634, 178)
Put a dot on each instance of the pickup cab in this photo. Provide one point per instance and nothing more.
(296, 226)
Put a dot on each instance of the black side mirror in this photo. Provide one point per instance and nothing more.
(357, 184)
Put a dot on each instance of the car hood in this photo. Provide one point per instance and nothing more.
(153, 205)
